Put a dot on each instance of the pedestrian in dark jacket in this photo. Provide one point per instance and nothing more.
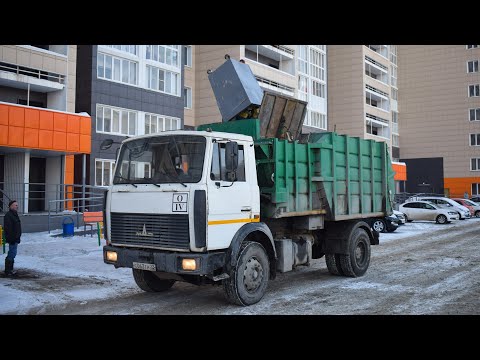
(13, 231)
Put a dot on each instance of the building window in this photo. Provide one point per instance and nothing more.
(393, 54)
(218, 170)
(132, 49)
(155, 123)
(394, 94)
(165, 54)
(393, 75)
(475, 189)
(317, 120)
(472, 66)
(474, 114)
(474, 139)
(187, 97)
(116, 121)
(395, 140)
(394, 122)
(302, 59)
(472, 46)
(163, 80)
(317, 64)
(475, 164)
(187, 55)
(318, 89)
(117, 69)
(473, 90)
(104, 172)
(377, 128)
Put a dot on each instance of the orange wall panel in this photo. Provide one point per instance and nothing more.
(45, 139)
(30, 138)
(85, 144)
(73, 124)
(59, 140)
(85, 126)
(46, 120)
(400, 172)
(60, 122)
(3, 115)
(3, 135)
(73, 142)
(32, 118)
(15, 136)
(458, 186)
(35, 128)
(16, 116)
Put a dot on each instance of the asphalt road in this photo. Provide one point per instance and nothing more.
(432, 273)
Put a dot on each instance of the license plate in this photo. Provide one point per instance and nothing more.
(143, 266)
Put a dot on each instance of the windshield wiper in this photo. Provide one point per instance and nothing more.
(121, 177)
(151, 181)
(172, 178)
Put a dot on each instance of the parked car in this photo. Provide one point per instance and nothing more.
(424, 210)
(472, 206)
(475, 199)
(387, 223)
(400, 216)
(462, 211)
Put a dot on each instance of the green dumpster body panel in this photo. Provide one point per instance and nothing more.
(340, 176)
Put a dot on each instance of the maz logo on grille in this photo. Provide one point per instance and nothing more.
(144, 232)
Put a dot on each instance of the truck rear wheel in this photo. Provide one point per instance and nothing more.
(357, 261)
(148, 281)
(333, 264)
(249, 279)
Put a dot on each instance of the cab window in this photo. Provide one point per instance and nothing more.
(218, 171)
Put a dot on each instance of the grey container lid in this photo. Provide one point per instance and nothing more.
(235, 88)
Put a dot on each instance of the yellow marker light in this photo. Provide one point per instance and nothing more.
(189, 264)
(111, 256)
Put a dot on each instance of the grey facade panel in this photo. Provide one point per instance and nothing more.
(119, 95)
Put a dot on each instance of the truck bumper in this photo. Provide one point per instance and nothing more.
(166, 261)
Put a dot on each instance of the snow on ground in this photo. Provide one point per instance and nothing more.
(60, 271)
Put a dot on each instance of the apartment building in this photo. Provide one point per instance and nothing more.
(129, 90)
(363, 97)
(39, 131)
(440, 117)
(299, 71)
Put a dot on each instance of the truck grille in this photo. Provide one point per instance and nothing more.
(160, 231)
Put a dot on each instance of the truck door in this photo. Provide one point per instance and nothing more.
(229, 203)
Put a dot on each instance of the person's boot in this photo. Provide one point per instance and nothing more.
(8, 267)
(13, 272)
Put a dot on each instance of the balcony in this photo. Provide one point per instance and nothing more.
(275, 56)
(22, 77)
(377, 98)
(275, 86)
(375, 70)
(377, 126)
(379, 49)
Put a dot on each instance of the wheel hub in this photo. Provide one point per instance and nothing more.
(252, 274)
(360, 253)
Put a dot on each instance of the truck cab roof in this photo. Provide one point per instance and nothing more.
(211, 134)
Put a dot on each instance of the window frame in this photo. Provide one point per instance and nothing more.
(476, 138)
(476, 90)
(477, 162)
(121, 111)
(241, 148)
(187, 61)
(187, 96)
(476, 111)
(112, 168)
(474, 66)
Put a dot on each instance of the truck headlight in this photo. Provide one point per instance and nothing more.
(189, 264)
(112, 256)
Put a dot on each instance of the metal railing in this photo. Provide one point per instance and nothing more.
(36, 73)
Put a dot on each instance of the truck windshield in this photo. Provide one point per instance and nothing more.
(162, 159)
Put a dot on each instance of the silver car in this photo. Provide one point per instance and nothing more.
(463, 212)
(424, 210)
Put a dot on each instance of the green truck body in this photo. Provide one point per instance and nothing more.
(316, 176)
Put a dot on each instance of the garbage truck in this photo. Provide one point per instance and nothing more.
(233, 203)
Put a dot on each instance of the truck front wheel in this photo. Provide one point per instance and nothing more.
(148, 281)
(357, 261)
(249, 279)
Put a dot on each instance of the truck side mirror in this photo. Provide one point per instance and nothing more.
(231, 159)
(106, 144)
